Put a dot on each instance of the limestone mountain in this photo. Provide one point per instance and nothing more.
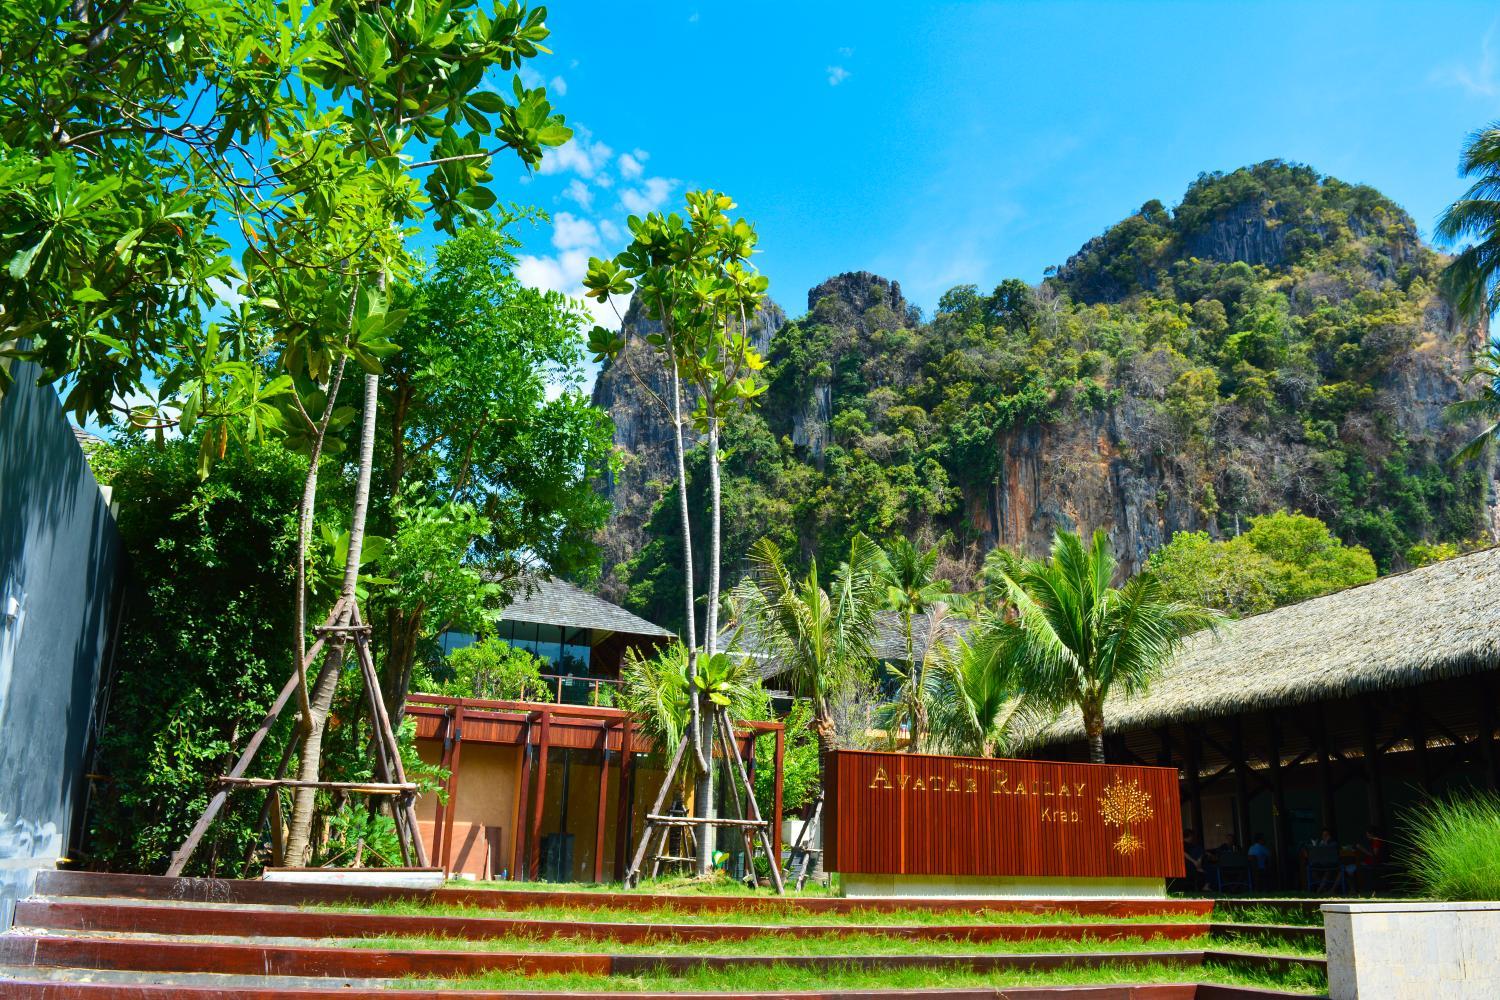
(1274, 341)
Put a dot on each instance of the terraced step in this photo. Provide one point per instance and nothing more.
(157, 887)
(58, 990)
(141, 954)
(109, 916)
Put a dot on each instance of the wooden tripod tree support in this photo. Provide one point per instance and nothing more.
(342, 627)
(802, 851)
(752, 827)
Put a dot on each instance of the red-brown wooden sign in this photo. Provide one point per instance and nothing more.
(920, 814)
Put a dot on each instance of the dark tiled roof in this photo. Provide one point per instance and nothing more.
(83, 437)
(557, 602)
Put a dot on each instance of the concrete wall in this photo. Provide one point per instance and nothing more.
(1412, 951)
(60, 560)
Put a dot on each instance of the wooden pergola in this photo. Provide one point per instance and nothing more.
(539, 728)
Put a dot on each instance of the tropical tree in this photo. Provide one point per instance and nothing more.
(973, 707)
(489, 450)
(1071, 638)
(1472, 279)
(911, 590)
(694, 280)
(822, 639)
(658, 691)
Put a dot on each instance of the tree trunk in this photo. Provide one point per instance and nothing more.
(707, 842)
(1093, 729)
(304, 800)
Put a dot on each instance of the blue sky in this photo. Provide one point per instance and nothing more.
(948, 144)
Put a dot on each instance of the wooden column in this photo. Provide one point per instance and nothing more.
(442, 803)
(518, 849)
(457, 738)
(1487, 753)
(603, 801)
(1281, 820)
(1374, 791)
(624, 813)
(534, 855)
(780, 757)
(1195, 793)
(1241, 780)
(1325, 770)
(1417, 729)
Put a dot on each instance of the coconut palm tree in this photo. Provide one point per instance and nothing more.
(822, 639)
(917, 679)
(1071, 638)
(1472, 279)
(974, 711)
(657, 690)
(911, 589)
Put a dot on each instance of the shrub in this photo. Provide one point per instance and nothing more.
(490, 668)
(1456, 848)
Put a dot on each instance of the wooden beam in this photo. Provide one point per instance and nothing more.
(780, 755)
(534, 859)
(1195, 792)
(603, 801)
(458, 746)
(518, 849)
(1374, 788)
(1281, 820)
(1417, 733)
(624, 802)
(1325, 768)
(1241, 780)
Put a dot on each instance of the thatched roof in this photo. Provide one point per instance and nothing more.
(1439, 621)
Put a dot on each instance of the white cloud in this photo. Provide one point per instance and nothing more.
(630, 165)
(648, 196)
(578, 191)
(837, 75)
(571, 232)
(846, 52)
(1478, 79)
(230, 292)
(559, 86)
(610, 231)
(580, 155)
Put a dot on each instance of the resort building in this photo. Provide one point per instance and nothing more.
(1337, 713)
(556, 790)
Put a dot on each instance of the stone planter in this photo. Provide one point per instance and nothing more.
(1412, 951)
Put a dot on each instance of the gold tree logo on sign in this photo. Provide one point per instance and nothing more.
(1124, 804)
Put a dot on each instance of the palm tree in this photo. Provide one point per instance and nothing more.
(911, 589)
(821, 638)
(973, 708)
(1472, 279)
(658, 692)
(917, 679)
(1072, 638)
(1485, 406)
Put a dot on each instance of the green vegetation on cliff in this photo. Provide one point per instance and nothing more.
(1275, 342)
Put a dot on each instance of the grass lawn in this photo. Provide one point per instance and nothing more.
(789, 946)
(780, 978)
(767, 917)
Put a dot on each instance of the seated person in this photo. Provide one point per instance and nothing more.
(1260, 857)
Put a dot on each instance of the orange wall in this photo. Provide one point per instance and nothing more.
(486, 798)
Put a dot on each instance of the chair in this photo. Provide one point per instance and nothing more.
(1233, 872)
(1325, 869)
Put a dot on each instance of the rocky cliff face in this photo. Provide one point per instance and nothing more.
(635, 390)
(1273, 342)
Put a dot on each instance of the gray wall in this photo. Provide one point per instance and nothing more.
(60, 560)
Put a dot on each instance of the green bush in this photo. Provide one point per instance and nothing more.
(490, 668)
(1456, 848)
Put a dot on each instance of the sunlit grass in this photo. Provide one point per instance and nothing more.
(788, 946)
(786, 978)
(770, 916)
(1456, 848)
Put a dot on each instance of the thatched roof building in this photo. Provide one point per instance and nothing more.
(1337, 713)
(1426, 624)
